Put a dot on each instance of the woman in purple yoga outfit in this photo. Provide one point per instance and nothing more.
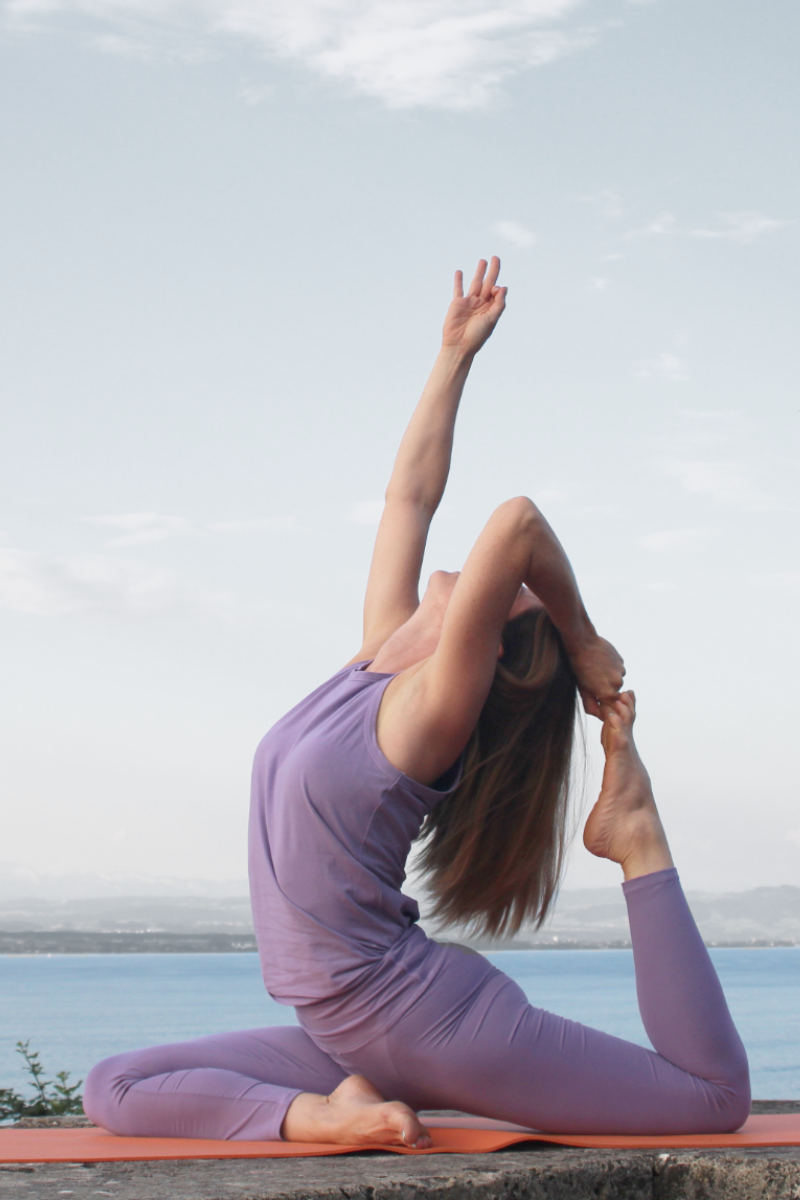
(455, 719)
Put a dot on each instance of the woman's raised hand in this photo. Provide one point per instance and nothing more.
(471, 319)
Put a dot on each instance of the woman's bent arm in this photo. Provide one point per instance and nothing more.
(426, 718)
(597, 665)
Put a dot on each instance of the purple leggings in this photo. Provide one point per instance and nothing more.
(469, 1041)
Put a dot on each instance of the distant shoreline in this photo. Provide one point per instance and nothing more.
(590, 919)
(40, 942)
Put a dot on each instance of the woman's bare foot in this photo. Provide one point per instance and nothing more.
(624, 824)
(354, 1114)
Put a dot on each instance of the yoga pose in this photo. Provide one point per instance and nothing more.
(455, 719)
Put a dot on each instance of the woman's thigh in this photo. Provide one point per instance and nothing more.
(282, 1055)
(496, 1055)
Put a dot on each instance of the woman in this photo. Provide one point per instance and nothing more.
(455, 717)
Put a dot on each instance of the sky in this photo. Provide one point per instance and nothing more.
(228, 232)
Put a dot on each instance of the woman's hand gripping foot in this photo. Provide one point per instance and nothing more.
(354, 1114)
(624, 824)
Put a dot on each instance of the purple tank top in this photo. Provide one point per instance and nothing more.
(331, 825)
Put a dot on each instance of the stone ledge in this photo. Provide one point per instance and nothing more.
(527, 1172)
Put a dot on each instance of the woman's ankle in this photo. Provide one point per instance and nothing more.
(649, 850)
(303, 1118)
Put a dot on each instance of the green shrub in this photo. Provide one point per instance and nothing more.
(50, 1098)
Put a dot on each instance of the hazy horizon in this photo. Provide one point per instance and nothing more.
(23, 882)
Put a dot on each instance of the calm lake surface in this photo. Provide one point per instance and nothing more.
(77, 1009)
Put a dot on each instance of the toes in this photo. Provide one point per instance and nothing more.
(411, 1133)
(612, 723)
(623, 707)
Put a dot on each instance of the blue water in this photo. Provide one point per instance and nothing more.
(76, 1009)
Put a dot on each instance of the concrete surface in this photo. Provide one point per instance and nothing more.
(528, 1173)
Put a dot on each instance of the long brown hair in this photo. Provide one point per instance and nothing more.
(494, 848)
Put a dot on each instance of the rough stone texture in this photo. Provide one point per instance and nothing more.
(525, 1173)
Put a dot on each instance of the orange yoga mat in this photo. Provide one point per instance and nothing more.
(450, 1136)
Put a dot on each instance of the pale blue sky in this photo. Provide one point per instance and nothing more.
(228, 236)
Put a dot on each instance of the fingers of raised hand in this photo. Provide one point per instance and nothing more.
(499, 299)
(458, 286)
(488, 286)
(476, 287)
(602, 696)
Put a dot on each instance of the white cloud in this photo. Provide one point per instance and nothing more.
(667, 365)
(452, 54)
(254, 93)
(285, 524)
(703, 429)
(140, 529)
(742, 227)
(676, 540)
(664, 225)
(365, 512)
(124, 47)
(730, 483)
(607, 203)
(112, 584)
(511, 231)
(44, 585)
(597, 283)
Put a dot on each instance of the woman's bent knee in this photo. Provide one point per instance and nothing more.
(733, 1103)
(105, 1088)
(739, 1108)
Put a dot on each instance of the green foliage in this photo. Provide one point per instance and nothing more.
(51, 1098)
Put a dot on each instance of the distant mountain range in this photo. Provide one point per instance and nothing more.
(761, 914)
(140, 905)
(130, 914)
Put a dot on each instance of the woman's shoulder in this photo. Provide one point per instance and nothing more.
(327, 699)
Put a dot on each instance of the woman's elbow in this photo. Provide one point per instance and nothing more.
(519, 515)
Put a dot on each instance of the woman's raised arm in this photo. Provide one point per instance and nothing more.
(422, 465)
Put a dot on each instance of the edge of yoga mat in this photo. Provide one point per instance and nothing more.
(95, 1145)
